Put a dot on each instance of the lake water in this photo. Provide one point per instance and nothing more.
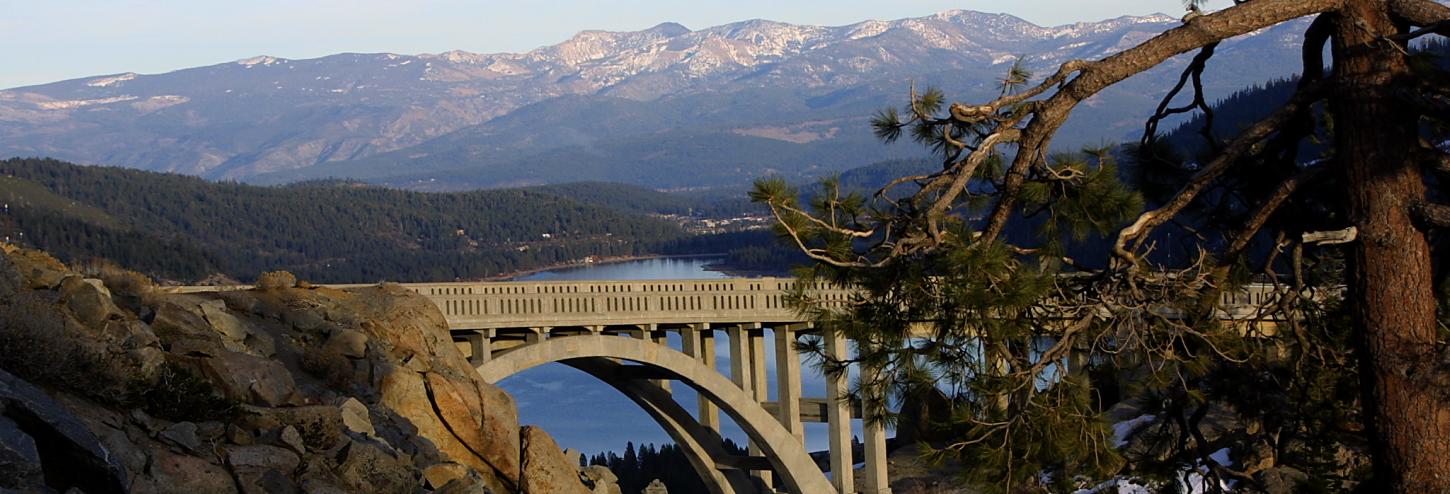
(673, 268)
(585, 414)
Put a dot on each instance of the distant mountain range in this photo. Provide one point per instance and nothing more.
(665, 107)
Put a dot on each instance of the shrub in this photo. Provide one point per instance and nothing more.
(276, 279)
(178, 394)
(331, 367)
(37, 344)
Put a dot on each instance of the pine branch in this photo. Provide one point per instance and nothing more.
(1049, 115)
(1144, 225)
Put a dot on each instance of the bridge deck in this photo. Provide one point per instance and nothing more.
(531, 304)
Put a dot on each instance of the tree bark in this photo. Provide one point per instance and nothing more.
(1391, 285)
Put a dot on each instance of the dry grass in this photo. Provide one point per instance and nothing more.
(39, 344)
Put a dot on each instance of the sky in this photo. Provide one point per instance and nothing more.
(46, 41)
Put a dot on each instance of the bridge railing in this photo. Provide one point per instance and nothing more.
(486, 305)
(564, 303)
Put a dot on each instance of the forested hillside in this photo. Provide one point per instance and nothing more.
(185, 228)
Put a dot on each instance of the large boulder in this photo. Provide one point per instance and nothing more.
(365, 467)
(173, 473)
(355, 417)
(602, 478)
(349, 343)
(399, 408)
(20, 467)
(39, 270)
(545, 469)
(251, 379)
(72, 455)
(11, 281)
(1281, 480)
(655, 487)
(88, 301)
(174, 321)
(263, 468)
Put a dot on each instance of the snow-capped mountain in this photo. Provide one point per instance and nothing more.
(796, 96)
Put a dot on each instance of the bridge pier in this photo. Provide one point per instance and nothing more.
(699, 342)
(877, 481)
(788, 379)
(747, 370)
(838, 418)
(784, 455)
(759, 385)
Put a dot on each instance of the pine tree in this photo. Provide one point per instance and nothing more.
(988, 255)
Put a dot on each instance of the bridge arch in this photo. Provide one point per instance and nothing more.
(787, 456)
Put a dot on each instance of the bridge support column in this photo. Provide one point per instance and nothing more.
(535, 335)
(788, 381)
(742, 372)
(651, 333)
(699, 342)
(480, 345)
(838, 418)
(659, 337)
(759, 385)
(874, 429)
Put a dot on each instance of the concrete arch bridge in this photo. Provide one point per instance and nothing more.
(617, 331)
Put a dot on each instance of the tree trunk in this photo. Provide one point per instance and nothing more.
(1391, 286)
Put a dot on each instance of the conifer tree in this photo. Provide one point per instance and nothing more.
(1326, 197)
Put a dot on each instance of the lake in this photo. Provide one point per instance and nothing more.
(665, 268)
(585, 414)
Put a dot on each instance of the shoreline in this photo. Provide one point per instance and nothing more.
(510, 276)
(732, 272)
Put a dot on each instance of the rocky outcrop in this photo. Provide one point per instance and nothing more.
(549, 471)
(655, 487)
(282, 388)
(46, 445)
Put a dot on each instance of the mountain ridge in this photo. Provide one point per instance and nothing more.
(278, 118)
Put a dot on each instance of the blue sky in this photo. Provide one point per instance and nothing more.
(53, 40)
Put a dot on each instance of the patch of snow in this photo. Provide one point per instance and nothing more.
(1221, 456)
(1118, 486)
(158, 102)
(1122, 430)
(110, 81)
(259, 60)
(1197, 484)
(78, 103)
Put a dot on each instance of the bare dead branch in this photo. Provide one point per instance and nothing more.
(1436, 215)
(1429, 101)
(1312, 54)
(830, 227)
(1420, 12)
(1333, 237)
(1441, 28)
(1266, 209)
(1144, 225)
(1194, 71)
(1050, 114)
